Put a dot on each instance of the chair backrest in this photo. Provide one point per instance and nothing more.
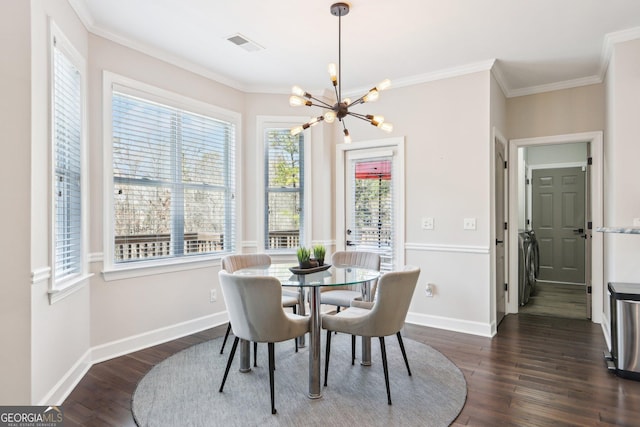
(255, 307)
(363, 259)
(360, 258)
(395, 290)
(232, 263)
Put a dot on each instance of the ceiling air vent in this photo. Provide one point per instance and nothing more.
(245, 43)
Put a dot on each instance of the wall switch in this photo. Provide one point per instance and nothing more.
(427, 223)
(469, 224)
(213, 295)
(636, 222)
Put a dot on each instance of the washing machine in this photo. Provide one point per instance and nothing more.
(528, 265)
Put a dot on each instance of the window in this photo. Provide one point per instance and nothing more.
(173, 188)
(67, 121)
(284, 189)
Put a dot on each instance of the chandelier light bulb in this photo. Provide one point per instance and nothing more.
(296, 101)
(377, 119)
(330, 116)
(387, 127)
(333, 72)
(296, 130)
(372, 96)
(347, 137)
(347, 101)
(383, 85)
(297, 90)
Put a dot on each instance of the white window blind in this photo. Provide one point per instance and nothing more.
(284, 189)
(373, 215)
(173, 181)
(67, 136)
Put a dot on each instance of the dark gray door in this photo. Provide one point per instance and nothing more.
(558, 219)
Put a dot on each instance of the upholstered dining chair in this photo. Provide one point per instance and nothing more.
(256, 314)
(232, 263)
(380, 318)
(341, 296)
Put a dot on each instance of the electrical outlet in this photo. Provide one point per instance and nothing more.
(429, 289)
(469, 224)
(213, 295)
(427, 223)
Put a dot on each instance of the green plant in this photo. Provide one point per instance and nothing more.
(319, 252)
(304, 255)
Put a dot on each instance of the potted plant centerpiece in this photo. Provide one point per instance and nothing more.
(304, 257)
(318, 252)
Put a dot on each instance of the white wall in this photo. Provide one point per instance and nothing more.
(580, 109)
(59, 331)
(446, 125)
(622, 174)
(15, 149)
(137, 311)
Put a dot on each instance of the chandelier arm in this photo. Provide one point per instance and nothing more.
(360, 116)
(358, 101)
(322, 103)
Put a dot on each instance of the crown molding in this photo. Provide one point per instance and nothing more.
(610, 40)
(83, 12)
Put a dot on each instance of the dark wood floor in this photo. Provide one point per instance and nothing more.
(558, 300)
(538, 371)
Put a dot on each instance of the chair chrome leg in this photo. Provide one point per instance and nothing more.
(326, 357)
(226, 335)
(404, 353)
(271, 369)
(383, 350)
(226, 371)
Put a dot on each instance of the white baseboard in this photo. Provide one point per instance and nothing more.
(450, 324)
(117, 348)
(138, 342)
(68, 382)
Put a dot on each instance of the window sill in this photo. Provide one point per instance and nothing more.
(68, 288)
(149, 268)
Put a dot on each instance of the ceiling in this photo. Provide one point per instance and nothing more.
(537, 45)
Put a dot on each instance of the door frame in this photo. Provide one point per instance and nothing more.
(500, 139)
(397, 145)
(595, 139)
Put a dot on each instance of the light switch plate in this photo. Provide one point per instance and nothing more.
(427, 223)
(469, 224)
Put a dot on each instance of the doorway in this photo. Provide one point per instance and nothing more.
(370, 199)
(528, 155)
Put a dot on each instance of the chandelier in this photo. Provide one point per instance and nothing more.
(342, 107)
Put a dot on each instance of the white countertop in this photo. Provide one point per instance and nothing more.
(622, 230)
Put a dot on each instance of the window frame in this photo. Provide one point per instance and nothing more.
(115, 271)
(61, 287)
(281, 122)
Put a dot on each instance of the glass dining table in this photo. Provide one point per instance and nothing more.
(311, 281)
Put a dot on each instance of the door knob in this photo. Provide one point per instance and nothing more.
(499, 241)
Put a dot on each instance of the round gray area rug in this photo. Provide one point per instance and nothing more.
(183, 389)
